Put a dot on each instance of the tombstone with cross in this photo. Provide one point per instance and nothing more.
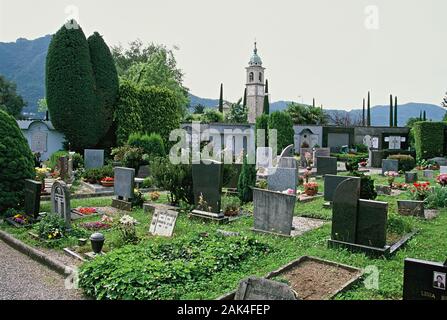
(60, 201)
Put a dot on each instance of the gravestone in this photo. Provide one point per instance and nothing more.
(254, 288)
(320, 152)
(442, 169)
(287, 151)
(390, 165)
(70, 173)
(383, 190)
(375, 158)
(93, 158)
(429, 174)
(441, 161)
(326, 165)
(424, 280)
(331, 183)
(411, 208)
(32, 198)
(303, 152)
(60, 201)
(62, 166)
(207, 180)
(264, 157)
(287, 162)
(143, 172)
(124, 188)
(273, 211)
(281, 179)
(411, 177)
(163, 223)
(356, 223)
(395, 142)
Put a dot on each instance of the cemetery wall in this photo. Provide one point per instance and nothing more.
(312, 135)
(42, 137)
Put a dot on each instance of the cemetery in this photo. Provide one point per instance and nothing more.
(272, 209)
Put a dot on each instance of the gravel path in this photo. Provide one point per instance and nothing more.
(22, 278)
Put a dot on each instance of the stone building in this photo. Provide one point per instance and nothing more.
(255, 87)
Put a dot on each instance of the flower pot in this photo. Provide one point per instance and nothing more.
(107, 183)
(310, 192)
(231, 213)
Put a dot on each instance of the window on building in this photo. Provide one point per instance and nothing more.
(260, 76)
(251, 77)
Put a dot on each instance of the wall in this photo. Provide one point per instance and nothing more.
(316, 130)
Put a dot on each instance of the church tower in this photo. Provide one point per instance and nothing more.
(255, 87)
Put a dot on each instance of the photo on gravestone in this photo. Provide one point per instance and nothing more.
(60, 201)
(326, 165)
(33, 190)
(123, 188)
(424, 280)
(163, 222)
(273, 211)
(207, 177)
(254, 288)
(93, 158)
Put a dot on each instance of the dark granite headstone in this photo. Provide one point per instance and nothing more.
(411, 208)
(93, 158)
(320, 152)
(273, 211)
(371, 223)
(331, 183)
(390, 165)
(411, 177)
(326, 165)
(207, 183)
(254, 288)
(32, 197)
(345, 209)
(424, 280)
(60, 201)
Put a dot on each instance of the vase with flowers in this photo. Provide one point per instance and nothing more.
(311, 188)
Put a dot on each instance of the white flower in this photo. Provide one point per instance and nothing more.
(128, 220)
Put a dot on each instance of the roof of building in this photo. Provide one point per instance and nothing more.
(255, 59)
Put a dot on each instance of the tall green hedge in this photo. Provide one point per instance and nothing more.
(262, 123)
(429, 139)
(147, 110)
(282, 122)
(81, 86)
(16, 163)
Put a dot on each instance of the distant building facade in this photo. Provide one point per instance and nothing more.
(255, 86)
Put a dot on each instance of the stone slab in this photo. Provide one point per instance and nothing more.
(372, 223)
(390, 165)
(281, 179)
(326, 165)
(93, 158)
(411, 208)
(331, 183)
(254, 288)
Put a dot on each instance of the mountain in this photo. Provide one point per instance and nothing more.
(23, 62)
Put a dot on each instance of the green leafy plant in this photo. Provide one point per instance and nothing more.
(367, 189)
(128, 231)
(282, 122)
(437, 198)
(230, 205)
(51, 227)
(247, 180)
(151, 144)
(428, 139)
(95, 175)
(406, 162)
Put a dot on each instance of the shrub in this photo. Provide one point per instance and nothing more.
(429, 139)
(406, 162)
(151, 144)
(361, 148)
(212, 115)
(230, 204)
(52, 161)
(175, 178)
(437, 198)
(51, 227)
(352, 165)
(345, 157)
(247, 180)
(367, 189)
(165, 270)
(262, 123)
(95, 175)
(282, 122)
(16, 163)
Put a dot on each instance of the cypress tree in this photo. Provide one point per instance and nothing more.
(420, 115)
(425, 116)
(247, 180)
(266, 108)
(70, 89)
(363, 114)
(313, 102)
(391, 111)
(245, 98)
(368, 116)
(266, 86)
(106, 78)
(221, 98)
(395, 112)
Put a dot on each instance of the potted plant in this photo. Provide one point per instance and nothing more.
(391, 177)
(420, 190)
(442, 179)
(108, 181)
(231, 206)
(311, 188)
(363, 163)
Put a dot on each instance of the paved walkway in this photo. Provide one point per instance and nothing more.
(22, 278)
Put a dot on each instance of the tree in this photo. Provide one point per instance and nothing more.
(81, 86)
(199, 109)
(245, 98)
(16, 163)
(237, 114)
(444, 101)
(424, 117)
(247, 180)
(282, 122)
(262, 123)
(266, 108)
(391, 111)
(363, 114)
(395, 112)
(368, 115)
(344, 119)
(10, 101)
(304, 114)
(221, 98)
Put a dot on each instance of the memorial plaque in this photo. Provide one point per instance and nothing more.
(281, 179)
(255, 288)
(390, 165)
(442, 169)
(411, 208)
(429, 174)
(163, 223)
(424, 280)
(32, 197)
(39, 142)
(326, 165)
(264, 157)
(93, 158)
(124, 182)
(371, 223)
(60, 201)
(207, 184)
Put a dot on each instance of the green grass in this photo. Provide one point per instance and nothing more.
(429, 244)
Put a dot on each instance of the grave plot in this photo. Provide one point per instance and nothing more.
(307, 278)
(361, 225)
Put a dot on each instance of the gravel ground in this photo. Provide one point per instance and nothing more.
(22, 278)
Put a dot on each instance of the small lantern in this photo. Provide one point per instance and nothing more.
(97, 240)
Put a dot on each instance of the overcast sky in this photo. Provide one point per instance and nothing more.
(333, 50)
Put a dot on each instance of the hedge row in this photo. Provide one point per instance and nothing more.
(429, 139)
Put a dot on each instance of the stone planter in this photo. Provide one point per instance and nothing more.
(273, 211)
(411, 208)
